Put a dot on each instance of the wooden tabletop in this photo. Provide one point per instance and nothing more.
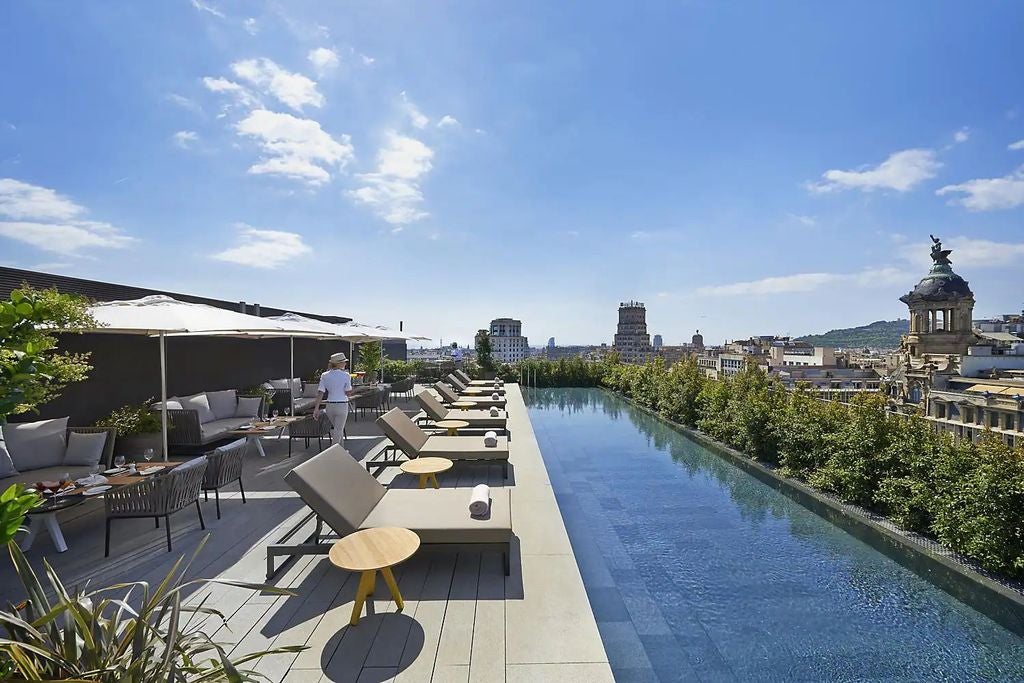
(463, 404)
(428, 465)
(452, 424)
(114, 480)
(371, 549)
(473, 390)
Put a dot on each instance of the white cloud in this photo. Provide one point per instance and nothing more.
(295, 148)
(805, 282)
(393, 190)
(251, 27)
(416, 117)
(264, 248)
(962, 135)
(447, 120)
(242, 95)
(184, 138)
(184, 102)
(366, 59)
(50, 266)
(203, 7)
(1016, 146)
(323, 60)
(988, 194)
(292, 89)
(809, 221)
(968, 253)
(902, 171)
(641, 235)
(45, 219)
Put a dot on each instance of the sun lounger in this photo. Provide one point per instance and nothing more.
(477, 419)
(415, 443)
(473, 382)
(461, 386)
(449, 396)
(346, 498)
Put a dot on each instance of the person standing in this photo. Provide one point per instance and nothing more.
(336, 384)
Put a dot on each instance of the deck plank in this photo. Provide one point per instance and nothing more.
(456, 640)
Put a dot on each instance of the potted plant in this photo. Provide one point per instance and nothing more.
(137, 428)
(371, 356)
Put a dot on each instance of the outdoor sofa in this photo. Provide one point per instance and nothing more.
(448, 396)
(304, 394)
(202, 419)
(340, 494)
(45, 450)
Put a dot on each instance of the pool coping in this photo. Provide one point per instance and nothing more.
(946, 569)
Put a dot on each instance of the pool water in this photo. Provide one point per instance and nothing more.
(697, 571)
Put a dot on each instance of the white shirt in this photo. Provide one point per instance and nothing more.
(335, 383)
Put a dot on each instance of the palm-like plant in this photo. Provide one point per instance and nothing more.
(128, 632)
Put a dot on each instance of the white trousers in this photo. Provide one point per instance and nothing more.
(338, 415)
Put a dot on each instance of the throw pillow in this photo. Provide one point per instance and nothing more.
(248, 406)
(85, 449)
(222, 403)
(7, 468)
(172, 404)
(33, 445)
(200, 404)
(309, 389)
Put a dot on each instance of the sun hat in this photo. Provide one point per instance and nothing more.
(338, 358)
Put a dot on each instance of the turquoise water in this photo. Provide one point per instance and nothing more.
(697, 571)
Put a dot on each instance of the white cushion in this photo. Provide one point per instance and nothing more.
(36, 444)
(172, 404)
(85, 449)
(222, 403)
(230, 446)
(278, 383)
(309, 390)
(200, 404)
(7, 468)
(248, 406)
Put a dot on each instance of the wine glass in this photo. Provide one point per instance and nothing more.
(119, 461)
(148, 454)
(274, 413)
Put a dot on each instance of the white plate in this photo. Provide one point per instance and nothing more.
(151, 470)
(115, 470)
(97, 480)
(95, 490)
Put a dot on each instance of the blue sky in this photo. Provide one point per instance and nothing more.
(743, 168)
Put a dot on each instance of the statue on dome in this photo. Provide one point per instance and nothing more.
(939, 255)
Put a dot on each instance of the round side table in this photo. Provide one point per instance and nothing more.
(372, 550)
(426, 468)
(453, 426)
(464, 405)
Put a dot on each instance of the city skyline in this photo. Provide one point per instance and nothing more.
(739, 169)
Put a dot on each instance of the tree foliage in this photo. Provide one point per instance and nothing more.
(484, 359)
(32, 369)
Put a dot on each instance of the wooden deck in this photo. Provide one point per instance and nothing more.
(463, 619)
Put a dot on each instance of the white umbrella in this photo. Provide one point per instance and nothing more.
(378, 333)
(161, 316)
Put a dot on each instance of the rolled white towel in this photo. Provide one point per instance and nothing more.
(480, 500)
(494, 411)
(491, 439)
(495, 396)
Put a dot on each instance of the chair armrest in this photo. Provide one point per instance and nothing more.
(183, 428)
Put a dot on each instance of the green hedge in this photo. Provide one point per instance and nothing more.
(968, 496)
(564, 372)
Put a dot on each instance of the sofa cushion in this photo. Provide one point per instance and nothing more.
(47, 474)
(33, 445)
(7, 468)
(222, 403)
(309, 390)
(85, 449)
(200, 404)
(248, 406)
(217, 429)
(172, 404)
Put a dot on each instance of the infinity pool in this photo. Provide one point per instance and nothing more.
(697, 571)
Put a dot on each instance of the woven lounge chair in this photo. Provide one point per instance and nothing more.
(157, 496)
(461, 386)
(346, 498)
(223, 467)
(414, 442)
(449, 396)
(434, 411)
(310, 428)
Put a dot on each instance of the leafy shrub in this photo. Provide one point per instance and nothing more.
(133, 419)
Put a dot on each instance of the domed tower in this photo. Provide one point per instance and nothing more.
(941, 310)
(697, 341)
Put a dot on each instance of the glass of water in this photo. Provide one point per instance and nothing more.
(119, 461)
(148, 454)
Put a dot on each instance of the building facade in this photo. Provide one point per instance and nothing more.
(508, 345)
(632, 342)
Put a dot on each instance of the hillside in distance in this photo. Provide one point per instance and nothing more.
(881, 334)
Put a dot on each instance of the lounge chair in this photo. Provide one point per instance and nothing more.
(346, 498)
(468, 381)
(449, 396)
(461, 387)
(477, 419)
(414, 442)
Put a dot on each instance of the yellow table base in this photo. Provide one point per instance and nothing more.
(429, 477)
(367, 580)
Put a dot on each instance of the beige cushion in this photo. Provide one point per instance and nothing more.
(216, 429)
(402, 431)
(85, 449)
(309, 390)
(248, 406)
(480, 418)
(33, 445)
(464, 448)
(442, 515)
(200, 404)
(337, 488)
(47, 474)
(222, 403)
(447, 393)
(457, 383)
(431, 406)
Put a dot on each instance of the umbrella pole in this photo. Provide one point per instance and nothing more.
(163, 394)
(291, 375)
